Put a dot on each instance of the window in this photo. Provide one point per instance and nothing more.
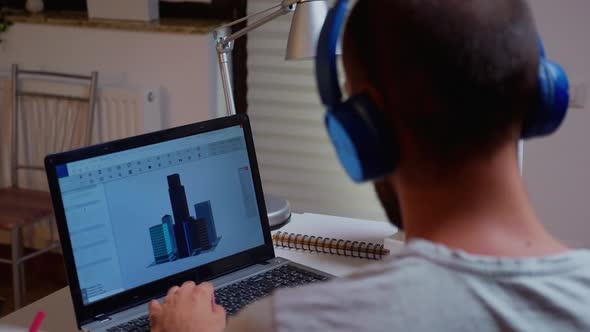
(216, 9)
(296, 158)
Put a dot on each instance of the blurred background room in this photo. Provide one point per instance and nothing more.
(82, 72)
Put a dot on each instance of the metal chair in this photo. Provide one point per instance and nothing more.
(22, 207)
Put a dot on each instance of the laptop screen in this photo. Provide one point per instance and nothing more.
(143, 214)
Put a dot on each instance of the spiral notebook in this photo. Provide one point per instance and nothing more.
(334, 240)
(326, 245)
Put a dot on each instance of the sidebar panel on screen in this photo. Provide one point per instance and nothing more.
(91, 236)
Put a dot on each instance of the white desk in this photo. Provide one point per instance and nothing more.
(60, 311)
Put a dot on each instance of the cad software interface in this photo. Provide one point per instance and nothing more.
(140, 215)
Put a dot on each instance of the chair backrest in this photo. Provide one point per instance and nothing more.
(51, 112)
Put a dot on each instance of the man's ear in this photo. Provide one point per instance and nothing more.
(375, 95)
(347, 88)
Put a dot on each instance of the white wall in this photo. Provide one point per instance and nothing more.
(557, 169)
(182, 66)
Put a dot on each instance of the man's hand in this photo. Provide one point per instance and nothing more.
(190, 308)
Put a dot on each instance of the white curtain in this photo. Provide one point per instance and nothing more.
(46, 126)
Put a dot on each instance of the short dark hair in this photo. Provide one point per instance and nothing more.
(477, 60)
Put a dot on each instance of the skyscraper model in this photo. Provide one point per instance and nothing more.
(167, 219)
(181, 214)
(183, 235)
(203, 211)
(161, 243)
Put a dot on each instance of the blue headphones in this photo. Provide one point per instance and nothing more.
(366, 144)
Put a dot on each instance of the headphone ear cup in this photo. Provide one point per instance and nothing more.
(364, 143)
(553, 101)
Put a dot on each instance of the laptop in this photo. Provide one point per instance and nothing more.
(142, 214)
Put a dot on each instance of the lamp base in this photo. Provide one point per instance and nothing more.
(278, 211)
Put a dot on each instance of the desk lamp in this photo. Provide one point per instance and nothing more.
(308, 19)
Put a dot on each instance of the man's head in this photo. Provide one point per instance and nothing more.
(455, 78)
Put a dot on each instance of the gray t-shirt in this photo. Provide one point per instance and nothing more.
(428, 287)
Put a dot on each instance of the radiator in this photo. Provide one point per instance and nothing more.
(122, 113)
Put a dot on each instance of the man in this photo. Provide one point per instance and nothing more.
(455, 79)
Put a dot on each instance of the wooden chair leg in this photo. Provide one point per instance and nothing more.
(17, 254)
(23, 276)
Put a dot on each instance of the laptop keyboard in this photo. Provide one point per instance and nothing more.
(237, 295)
(139, 324)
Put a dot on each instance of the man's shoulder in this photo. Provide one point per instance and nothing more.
(398, 269)
(369, 293)
(398, 275)
(452, 286)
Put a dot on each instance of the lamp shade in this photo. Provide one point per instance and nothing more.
(305, 31)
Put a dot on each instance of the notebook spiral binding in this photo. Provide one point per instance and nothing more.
(329, 246)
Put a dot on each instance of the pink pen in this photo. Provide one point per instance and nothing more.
(37, 322)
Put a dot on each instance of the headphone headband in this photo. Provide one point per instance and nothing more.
(326, 60)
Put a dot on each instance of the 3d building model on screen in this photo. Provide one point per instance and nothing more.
(182, 235)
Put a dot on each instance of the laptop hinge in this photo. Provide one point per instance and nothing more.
(102, 318)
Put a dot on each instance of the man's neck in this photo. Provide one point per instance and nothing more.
(482, 209)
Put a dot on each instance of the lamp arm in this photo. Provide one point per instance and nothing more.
(225, 41)
(245, 18)
(225, 45)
